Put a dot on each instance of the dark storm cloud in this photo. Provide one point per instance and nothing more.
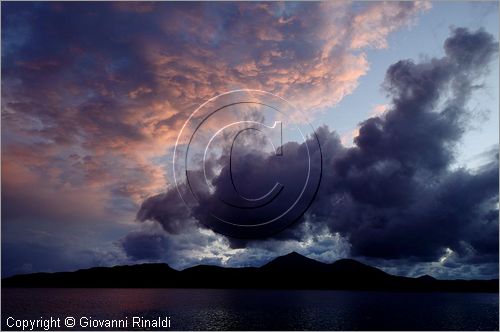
(173, 216)
(404, 200)
(395, 194)
(144, 246)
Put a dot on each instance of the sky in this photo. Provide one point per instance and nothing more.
(403, 97)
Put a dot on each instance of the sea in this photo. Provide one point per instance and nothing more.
(237, 309)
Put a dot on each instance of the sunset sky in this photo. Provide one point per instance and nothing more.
(403, 96)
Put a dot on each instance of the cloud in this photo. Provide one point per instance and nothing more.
(394, 195)
(379, 109)
(424, 206)
(145, 246)
(196, 245)
(87, 119)
(93, 95)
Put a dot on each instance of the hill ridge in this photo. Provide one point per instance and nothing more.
(290, 271)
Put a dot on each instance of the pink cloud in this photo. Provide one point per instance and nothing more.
(86, 122)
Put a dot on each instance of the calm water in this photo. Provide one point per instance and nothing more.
(211, 309)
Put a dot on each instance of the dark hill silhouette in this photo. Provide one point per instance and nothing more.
(292, 271)
(293, 261)
(426, 277)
